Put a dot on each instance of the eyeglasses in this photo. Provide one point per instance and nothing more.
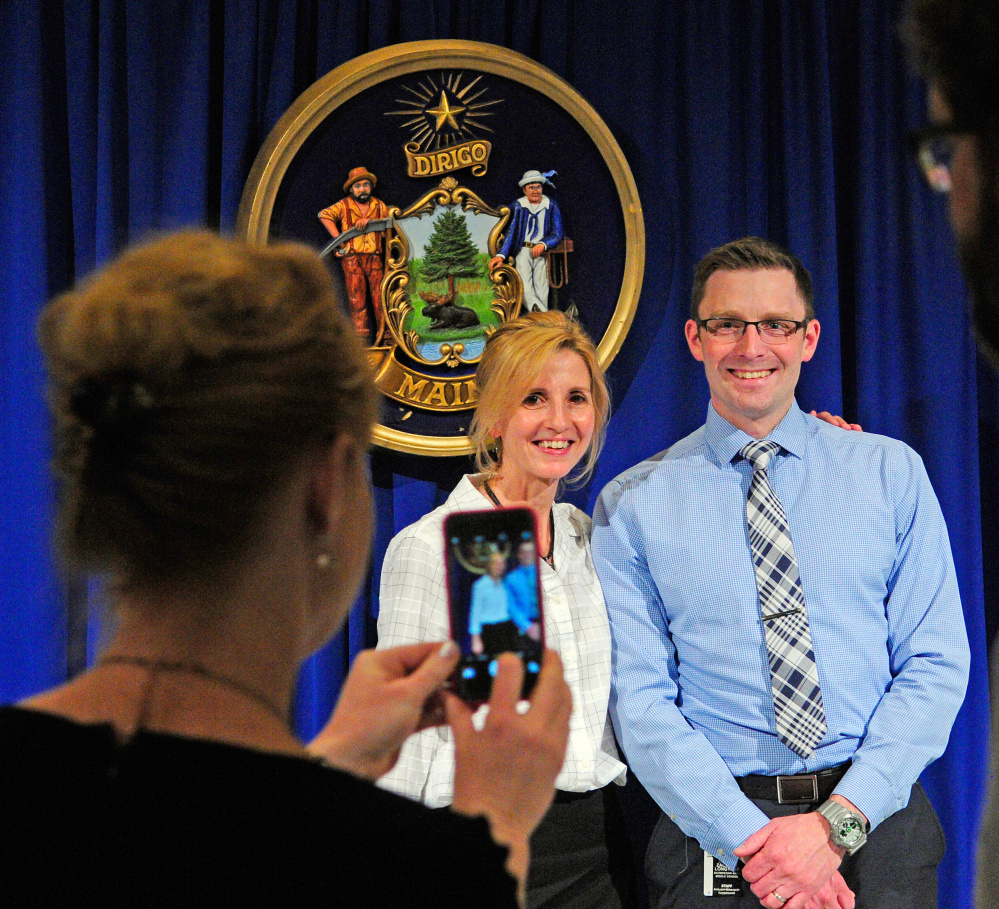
(772, 331)
(933, 148)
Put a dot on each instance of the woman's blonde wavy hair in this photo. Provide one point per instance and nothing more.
(514, 357)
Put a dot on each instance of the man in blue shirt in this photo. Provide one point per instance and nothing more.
(692, 699)
(522, 590)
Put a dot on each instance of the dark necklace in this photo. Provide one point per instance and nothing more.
(550, 557)
(188, 668)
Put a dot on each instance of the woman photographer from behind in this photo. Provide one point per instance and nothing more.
(212, 409)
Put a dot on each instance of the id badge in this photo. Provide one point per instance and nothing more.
(719, 880)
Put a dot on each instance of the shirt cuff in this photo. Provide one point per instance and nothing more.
(874, 794)
(731, 829)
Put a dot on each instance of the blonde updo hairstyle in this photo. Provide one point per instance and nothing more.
(186, 379)
(514, 357)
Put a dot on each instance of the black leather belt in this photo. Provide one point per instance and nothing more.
(795, 789)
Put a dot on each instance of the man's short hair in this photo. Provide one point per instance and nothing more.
(751, 254)
(953, 44)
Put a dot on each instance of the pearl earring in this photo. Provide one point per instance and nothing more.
(323, 560)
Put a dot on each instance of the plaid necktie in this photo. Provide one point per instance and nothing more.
(801, 720)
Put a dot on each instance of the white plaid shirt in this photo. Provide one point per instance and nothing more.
(414, 608)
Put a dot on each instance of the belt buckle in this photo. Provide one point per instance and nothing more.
(798, 789)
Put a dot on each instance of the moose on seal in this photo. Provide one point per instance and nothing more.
(442, 310)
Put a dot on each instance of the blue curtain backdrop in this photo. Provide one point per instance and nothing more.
(775, 117)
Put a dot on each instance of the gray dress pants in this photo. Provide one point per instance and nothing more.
(895, 869)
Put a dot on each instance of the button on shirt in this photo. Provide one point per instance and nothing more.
(691, 698)
(413, 608)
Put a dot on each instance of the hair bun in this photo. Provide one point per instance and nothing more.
(109, 403)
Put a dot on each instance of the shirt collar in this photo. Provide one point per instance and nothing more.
(534, 207)
(569, 521)
(726, 441)
(466, 497)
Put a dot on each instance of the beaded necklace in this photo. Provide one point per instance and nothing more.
(184, 667)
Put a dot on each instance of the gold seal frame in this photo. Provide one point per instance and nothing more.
(317, 102)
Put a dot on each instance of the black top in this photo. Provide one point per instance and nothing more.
(163, 820)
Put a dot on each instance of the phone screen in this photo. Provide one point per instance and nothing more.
(494, 596)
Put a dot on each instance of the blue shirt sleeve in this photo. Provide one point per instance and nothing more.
(514, 233)
(553, 233)
(928, 652)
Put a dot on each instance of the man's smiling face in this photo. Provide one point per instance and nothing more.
(752, 382)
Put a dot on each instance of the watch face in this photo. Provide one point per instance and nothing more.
(848, 831)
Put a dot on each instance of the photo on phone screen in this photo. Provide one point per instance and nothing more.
(494, 596)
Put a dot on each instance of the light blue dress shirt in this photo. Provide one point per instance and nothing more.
(691, 700)
(490, 605)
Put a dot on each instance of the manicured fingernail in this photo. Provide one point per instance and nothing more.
(448, 650)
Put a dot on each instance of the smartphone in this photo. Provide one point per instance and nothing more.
(494, 596)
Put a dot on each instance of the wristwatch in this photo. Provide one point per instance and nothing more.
(848, 830)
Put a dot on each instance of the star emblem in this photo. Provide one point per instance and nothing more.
(453, 99)
(445, 113)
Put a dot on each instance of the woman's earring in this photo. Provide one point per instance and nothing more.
(323, 560)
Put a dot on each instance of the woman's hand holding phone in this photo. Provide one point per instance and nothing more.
(389, 695)
(506, 771)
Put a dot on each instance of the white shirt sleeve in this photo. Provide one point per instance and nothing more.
(413, 608)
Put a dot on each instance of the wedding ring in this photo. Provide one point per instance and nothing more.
(780, 899)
